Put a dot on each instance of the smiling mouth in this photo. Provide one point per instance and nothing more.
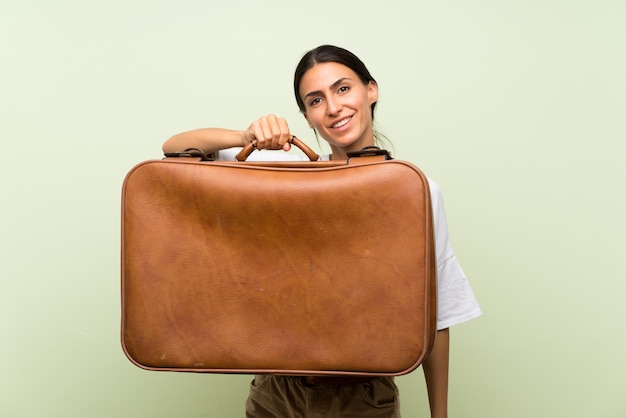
(341, 122)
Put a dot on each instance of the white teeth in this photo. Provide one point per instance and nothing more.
(341, 123)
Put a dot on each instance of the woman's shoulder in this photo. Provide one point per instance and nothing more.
(436, 196)
(434, 187)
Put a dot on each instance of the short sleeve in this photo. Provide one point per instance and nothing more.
(456, 302)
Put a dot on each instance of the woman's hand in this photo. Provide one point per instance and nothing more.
(270, 132)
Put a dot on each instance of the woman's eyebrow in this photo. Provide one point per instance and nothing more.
(332, 86)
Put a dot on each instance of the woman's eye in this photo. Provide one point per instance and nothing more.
(343, 89)
(315, 101)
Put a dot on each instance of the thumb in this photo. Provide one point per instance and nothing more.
(286, 146)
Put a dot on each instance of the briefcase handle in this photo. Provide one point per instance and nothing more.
(247, 150)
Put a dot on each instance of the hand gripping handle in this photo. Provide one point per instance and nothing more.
(247, 150)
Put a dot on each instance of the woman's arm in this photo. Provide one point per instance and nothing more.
(270, 132)
(436, 373)
(206, 139)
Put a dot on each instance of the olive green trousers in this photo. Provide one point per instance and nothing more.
(292, 397)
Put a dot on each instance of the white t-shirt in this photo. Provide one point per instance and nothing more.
(455, 299)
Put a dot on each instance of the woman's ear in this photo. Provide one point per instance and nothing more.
(308, 121)
(372, 92)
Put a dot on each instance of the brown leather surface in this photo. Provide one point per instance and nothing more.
(291, 268)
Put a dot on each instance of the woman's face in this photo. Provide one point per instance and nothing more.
(338, 105)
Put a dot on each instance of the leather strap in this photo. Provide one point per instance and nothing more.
(247, 150)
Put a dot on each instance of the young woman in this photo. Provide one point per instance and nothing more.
(337, 96)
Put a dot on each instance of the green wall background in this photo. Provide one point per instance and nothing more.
(517, 108)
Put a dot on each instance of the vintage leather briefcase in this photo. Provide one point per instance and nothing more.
(296, 268)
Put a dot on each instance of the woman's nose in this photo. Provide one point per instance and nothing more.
(333, 106)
